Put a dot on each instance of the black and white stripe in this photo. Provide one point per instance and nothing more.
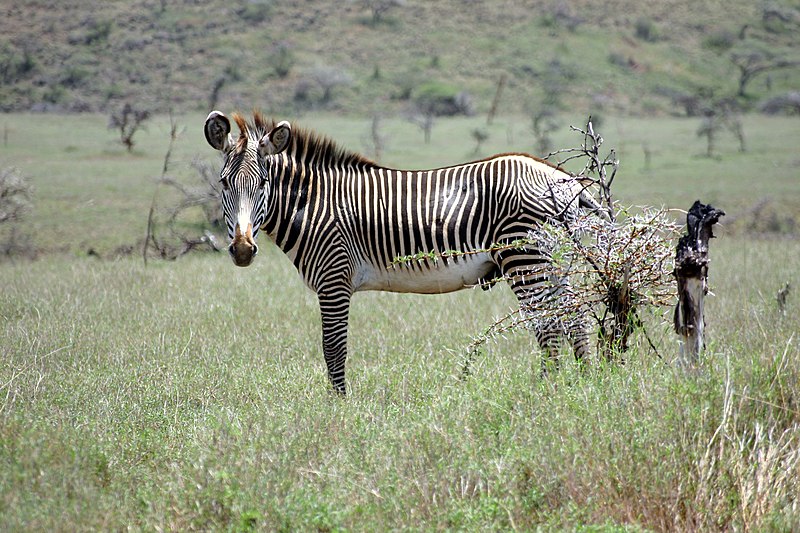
(343, 220)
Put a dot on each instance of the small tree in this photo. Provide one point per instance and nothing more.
(754, 58)
(282, 59)
(480, 136)
(16, 200)
(543, 124)
(230, 74)
(720, 114)
(127, 121)
(626, 265)
(435, 99)
(376, 141)
(328, 79)
(379, 8)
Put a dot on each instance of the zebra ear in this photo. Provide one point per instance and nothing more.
(277, 140)
(217, 130)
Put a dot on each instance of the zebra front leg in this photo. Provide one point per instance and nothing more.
(334, 307)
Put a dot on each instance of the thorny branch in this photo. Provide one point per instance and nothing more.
(204, 197)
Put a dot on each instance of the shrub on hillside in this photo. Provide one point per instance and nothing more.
(15, 64)
(443, 100)
(783, 104)
(646, 30)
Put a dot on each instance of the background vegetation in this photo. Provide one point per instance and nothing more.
(286, 56)
(191, 395)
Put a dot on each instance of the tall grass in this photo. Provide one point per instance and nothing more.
(192, 396)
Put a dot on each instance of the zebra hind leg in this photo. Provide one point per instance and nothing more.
(549, 332)
(544, 300)
(548, 338)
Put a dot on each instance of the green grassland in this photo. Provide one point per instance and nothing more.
(191, 395)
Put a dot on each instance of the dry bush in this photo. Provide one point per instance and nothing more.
(16, 200)
(127, 121)
(189, 220)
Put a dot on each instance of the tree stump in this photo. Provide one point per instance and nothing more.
(691, 273)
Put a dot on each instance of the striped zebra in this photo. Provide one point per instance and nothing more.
(343, 220)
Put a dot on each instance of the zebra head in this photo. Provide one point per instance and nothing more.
(245, 176)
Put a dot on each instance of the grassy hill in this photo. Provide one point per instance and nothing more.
(588, 56)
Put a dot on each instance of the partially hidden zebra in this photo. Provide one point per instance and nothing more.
(343, 220)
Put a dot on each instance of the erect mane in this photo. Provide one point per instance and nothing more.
(306, 146)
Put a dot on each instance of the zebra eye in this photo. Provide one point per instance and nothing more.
(263, 182)
(224, 182)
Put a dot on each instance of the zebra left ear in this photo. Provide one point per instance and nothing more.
(277, 140)
(217, 130)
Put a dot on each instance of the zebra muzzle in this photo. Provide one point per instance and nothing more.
(243, 248)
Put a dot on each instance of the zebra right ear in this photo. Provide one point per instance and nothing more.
(217, 130)
(277, 140)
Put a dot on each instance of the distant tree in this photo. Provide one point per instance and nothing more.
(379, 8)
(720, 114)
(435, 99)
(787, 104)
(480, 135)
(282, 59)
(230, 74)
(127, 121)
(15, 201)
(327, 79)
(376, 141)
(422, 117)
(755, 58)
(543, 124)
(646, 30)
(15, 64)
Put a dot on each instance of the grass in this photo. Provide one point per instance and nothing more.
(192, 395)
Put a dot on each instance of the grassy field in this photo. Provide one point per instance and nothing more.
(191, 395)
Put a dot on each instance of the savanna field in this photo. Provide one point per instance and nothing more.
(191, 394)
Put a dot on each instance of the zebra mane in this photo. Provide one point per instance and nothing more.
(306, 146)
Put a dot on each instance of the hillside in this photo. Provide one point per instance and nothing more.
(618, 56)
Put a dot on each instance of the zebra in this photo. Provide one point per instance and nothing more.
(343, 220)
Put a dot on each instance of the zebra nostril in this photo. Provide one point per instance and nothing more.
(230, 249)
(255, 250)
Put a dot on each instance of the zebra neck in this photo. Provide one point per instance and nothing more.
(292, 208)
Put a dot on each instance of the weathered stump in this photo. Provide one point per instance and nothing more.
(691, 273)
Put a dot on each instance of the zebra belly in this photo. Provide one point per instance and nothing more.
(425, 278)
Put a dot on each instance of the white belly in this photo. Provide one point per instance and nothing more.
(427, 277)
